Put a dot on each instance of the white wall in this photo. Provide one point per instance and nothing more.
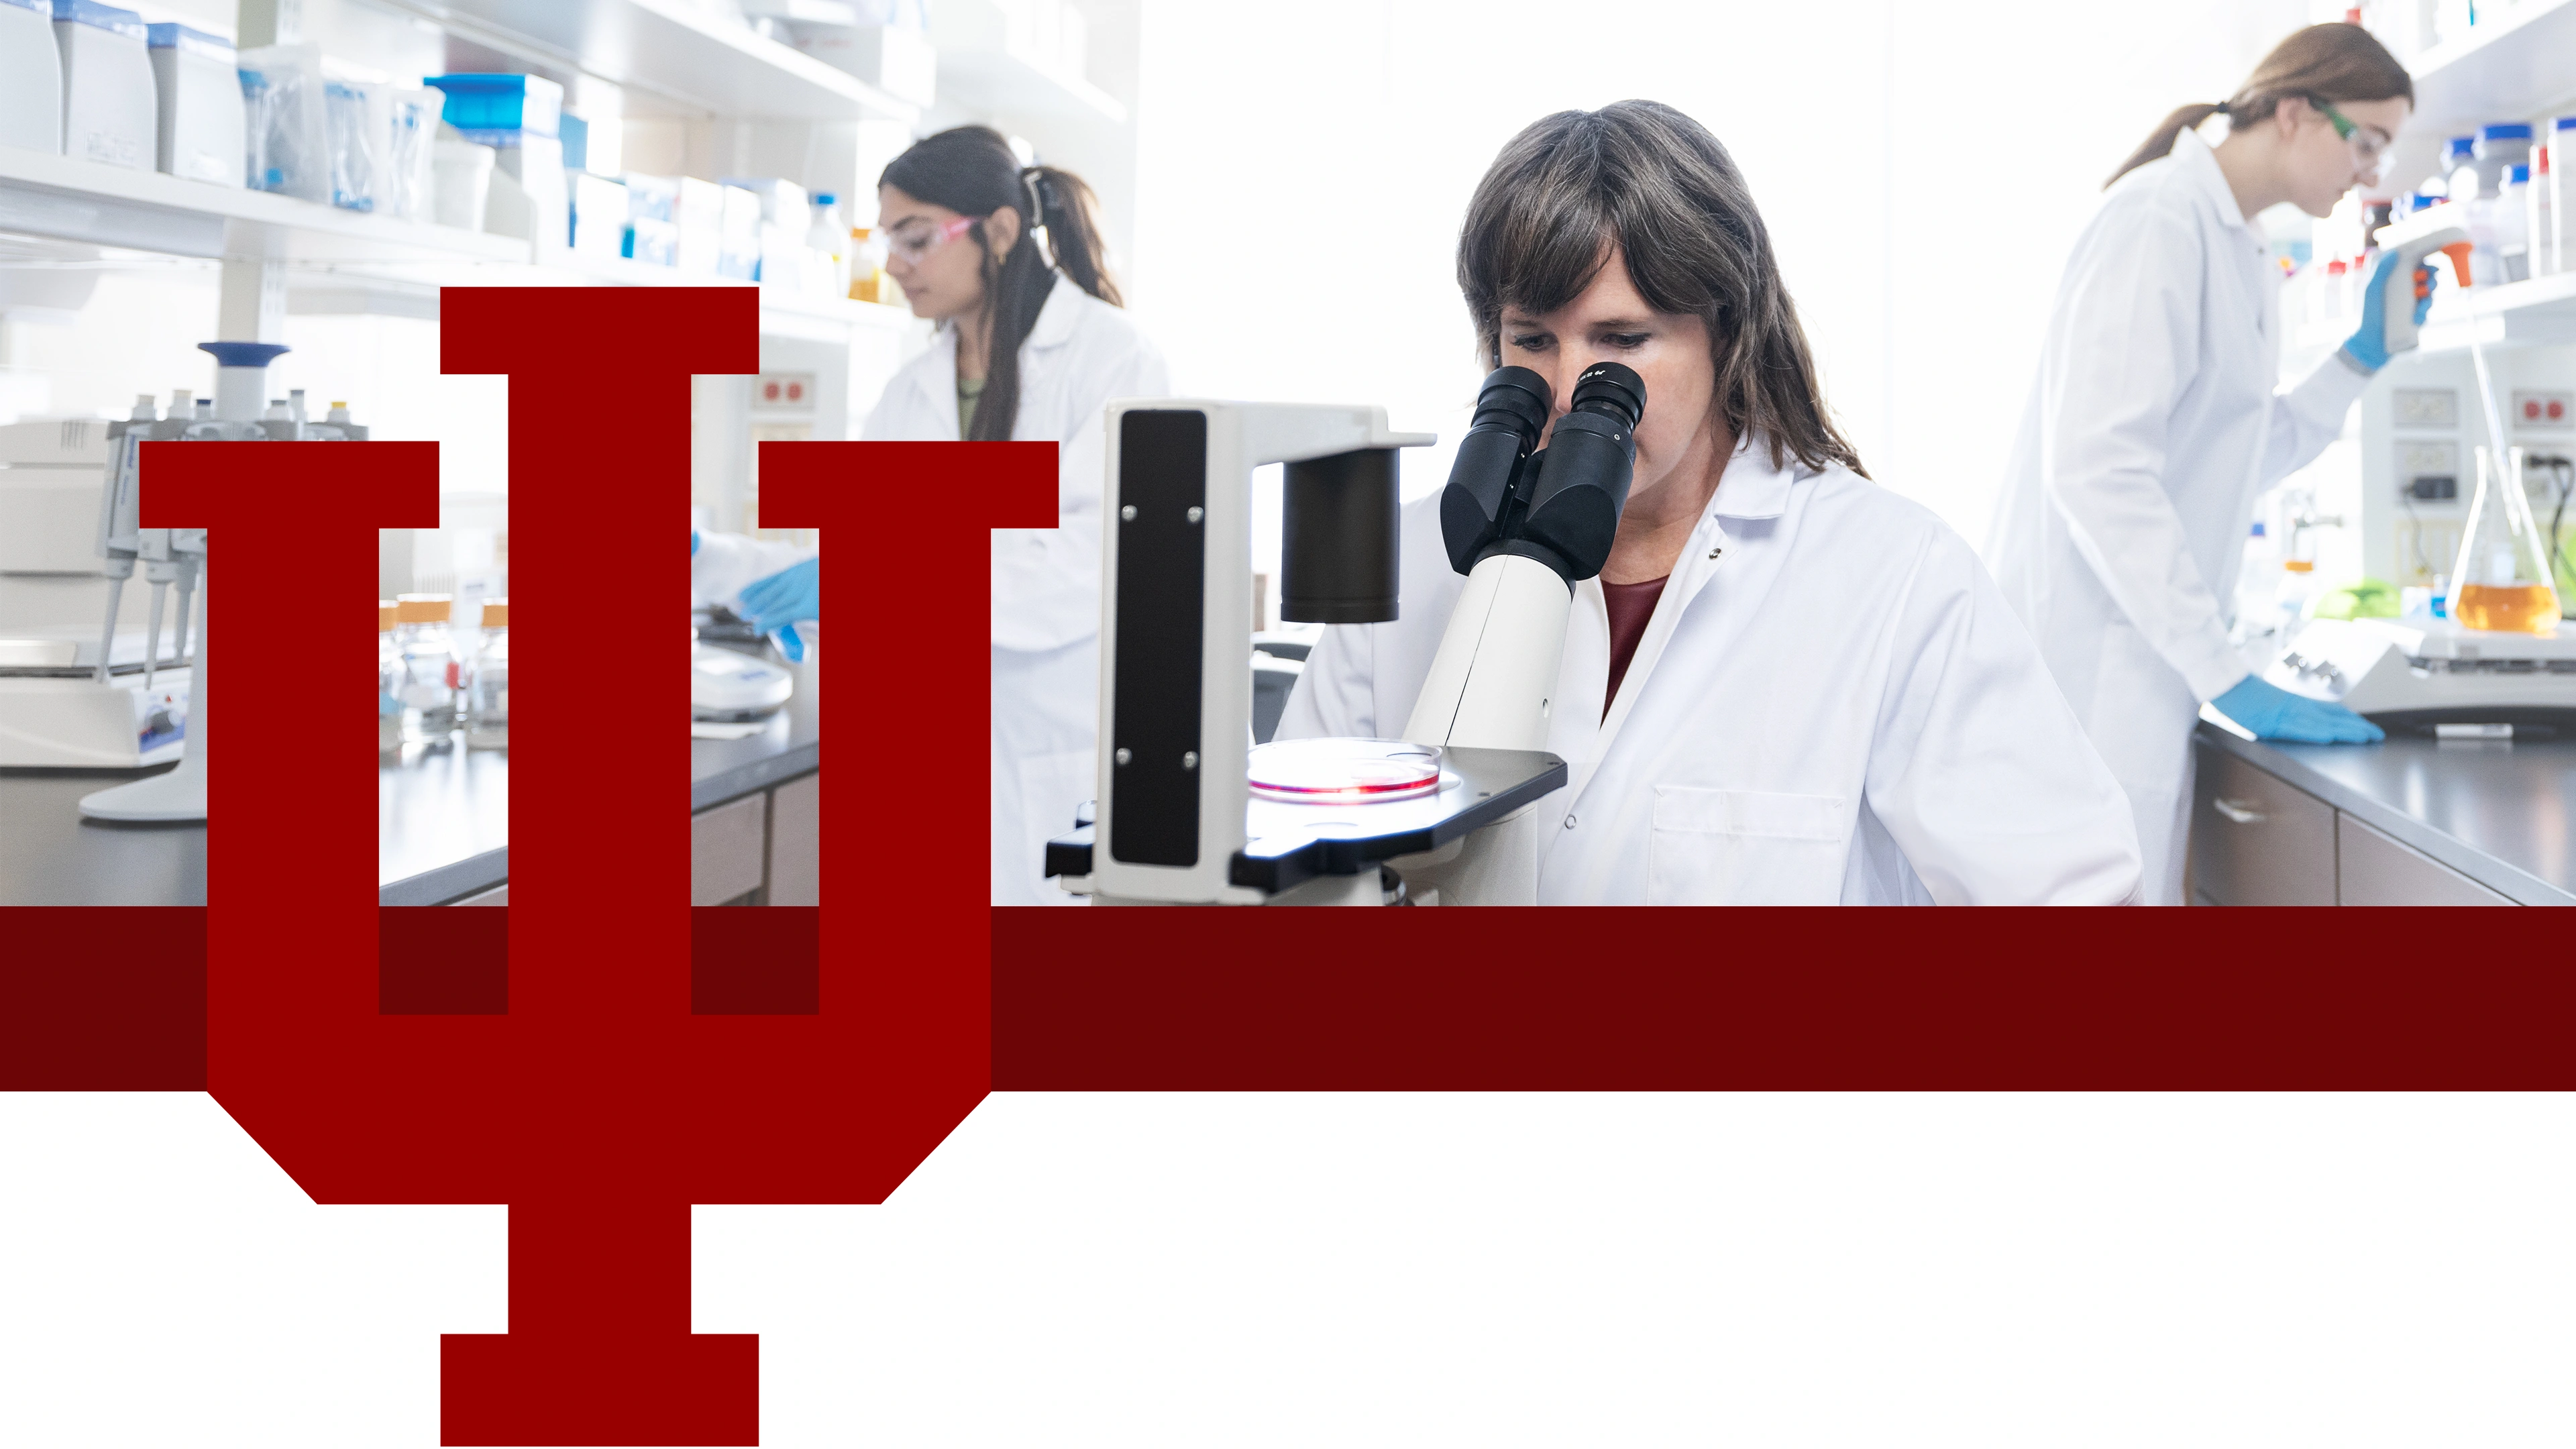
(1923, 169)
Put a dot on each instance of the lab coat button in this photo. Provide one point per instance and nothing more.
(1569, 822)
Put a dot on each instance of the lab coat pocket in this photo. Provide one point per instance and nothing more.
(1052, 787)
(1746, 848)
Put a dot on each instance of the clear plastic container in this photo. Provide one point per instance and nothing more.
(2509, 222)
(429, 686)
(389, 664)
(2540, 216)
(487, 694)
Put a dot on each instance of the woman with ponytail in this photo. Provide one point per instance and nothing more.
(2155, 423)
(1031, 346)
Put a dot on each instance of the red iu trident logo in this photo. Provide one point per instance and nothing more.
(592, 1055)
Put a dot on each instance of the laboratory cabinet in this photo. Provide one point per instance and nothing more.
(2258, 840)
(761, 849)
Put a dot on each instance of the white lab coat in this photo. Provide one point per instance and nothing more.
(727, 563)
(2151, 430)
(1081, 355)
(1830, 703)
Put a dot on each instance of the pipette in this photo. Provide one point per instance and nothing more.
(118, 543)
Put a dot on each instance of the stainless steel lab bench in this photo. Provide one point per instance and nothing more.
(442, 827)
(2411, 821)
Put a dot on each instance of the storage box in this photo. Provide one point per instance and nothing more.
(200, 104)
(652, 198)
(31, 77)
(599, 212)
(653, 242)
(699, 214)
(781, 202)
(111, 111)
(501, 103)
(785, 260)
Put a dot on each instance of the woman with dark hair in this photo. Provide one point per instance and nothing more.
(2155, 423)
(1787, 685)
(1032, 345)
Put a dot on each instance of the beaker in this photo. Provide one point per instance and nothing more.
(2502, 579)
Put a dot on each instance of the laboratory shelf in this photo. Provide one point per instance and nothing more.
(2539, 311)
(2518, 66)
(2542, 310)
(682, 53)
(42, 194)
(985, 67)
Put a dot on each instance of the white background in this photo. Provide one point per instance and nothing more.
(1924, 167)
(2345, 1271)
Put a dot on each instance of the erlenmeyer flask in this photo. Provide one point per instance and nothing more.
(2502, 578)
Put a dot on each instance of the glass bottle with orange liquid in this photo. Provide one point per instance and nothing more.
(2502, 579)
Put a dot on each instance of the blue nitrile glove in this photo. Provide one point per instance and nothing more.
(775, 603)
(2274, 713)
(2368, 348)
(693, 543)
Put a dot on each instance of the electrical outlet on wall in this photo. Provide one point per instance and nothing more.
(2536, 409)
(2428, 472)
(2425, 407)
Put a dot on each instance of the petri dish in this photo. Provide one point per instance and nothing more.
(1343, 771)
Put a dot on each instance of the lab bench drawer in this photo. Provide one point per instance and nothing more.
(728, 850)
(2377, 869)
(2257, 840)
(796, 843)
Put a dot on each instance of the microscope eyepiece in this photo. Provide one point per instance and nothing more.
(1611, 390)
(1516, 399)
(1511, 412)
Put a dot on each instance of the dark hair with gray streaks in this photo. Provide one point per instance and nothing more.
(1652, 182)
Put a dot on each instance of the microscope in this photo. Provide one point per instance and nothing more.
(1188, 810)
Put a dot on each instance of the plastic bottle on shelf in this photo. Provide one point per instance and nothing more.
(830, 244)
(2562, 156)
(487, 694)
(428, 668)
(2509, 220)
(2459, 155)
(389, 663)
(2498, 149)
(2539, 214)
(2254, 578)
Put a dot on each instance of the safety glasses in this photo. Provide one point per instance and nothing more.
(916, 242)
(2369, 144)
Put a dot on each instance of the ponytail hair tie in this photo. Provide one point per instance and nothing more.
(2220, 108)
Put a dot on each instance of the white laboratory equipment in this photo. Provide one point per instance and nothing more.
(732, 686)
(31, 77)
(76, 693)
(110, 111)
(201, 130)
(2416, 675)
(1188, 810)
